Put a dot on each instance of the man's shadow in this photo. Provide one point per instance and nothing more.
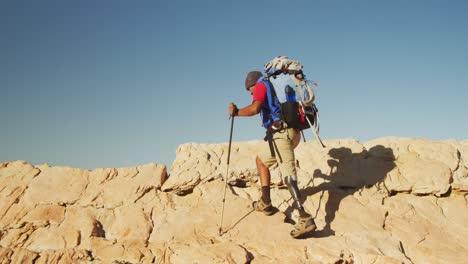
(349, 172)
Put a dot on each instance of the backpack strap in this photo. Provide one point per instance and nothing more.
(270, 131)
(272, 90)
(272, 144)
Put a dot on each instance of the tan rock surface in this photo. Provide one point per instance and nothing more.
(111, 188)
(57, 185)
(460, 176)
(389, 200)
(423, 166)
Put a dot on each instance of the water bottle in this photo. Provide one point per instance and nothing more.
(290, 94)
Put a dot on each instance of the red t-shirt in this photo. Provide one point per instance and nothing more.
(260, 92)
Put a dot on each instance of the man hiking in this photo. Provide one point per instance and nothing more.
(280, 148)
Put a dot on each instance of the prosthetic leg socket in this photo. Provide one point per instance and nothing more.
(291, 182)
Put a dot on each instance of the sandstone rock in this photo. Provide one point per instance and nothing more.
(111, 251)
(57, 185)
(82, 220)
(53, 214)
(129, 223)
(73, 230)
(430, 150)
(16, 172)
(18, 255)
(390, 200)
(16, 237)
(424, 229)
(396, 163)
(64, 256)
(211, 253)
(337, 161)
(111, 188)
(14, 180)
(53, 238)
(460, 176)
(419, 176)
(344, 164)
(107, 251)
(199, 163)
(14, 207)
(422, 166)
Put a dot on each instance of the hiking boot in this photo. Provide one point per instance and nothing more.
(261, 206)
(305, 224)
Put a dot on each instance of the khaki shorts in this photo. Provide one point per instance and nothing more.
(286, 141)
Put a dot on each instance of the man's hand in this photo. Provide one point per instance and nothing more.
(233, 110)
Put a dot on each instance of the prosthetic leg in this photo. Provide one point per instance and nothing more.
(305, 222)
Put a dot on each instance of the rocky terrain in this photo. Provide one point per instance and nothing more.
(389, 200)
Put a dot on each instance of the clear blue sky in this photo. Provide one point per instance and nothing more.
(120, 83)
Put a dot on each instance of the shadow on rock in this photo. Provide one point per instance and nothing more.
(349, 172)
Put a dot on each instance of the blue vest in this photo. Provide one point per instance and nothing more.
(271, 109)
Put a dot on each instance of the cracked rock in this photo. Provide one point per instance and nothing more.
(389, 200)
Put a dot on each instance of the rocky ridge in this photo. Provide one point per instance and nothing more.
(389, 200)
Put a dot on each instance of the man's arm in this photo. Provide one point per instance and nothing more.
(249, 110)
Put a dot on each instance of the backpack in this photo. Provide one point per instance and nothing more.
(293, 92)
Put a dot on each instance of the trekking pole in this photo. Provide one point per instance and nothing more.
(227, 171)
